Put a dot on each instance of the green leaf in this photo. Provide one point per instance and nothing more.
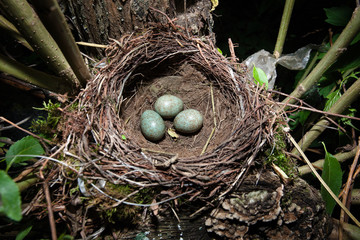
(338, 16)
(332, 98)
(324, 91)
(219, 50)
(332, 176)
(346, 121)
(260, 77)
(123, 137)
(10, 196)
(25, 146)
(21, 235)
(64, 236)
(298, 117)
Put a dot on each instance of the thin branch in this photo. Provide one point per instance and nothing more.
(26, 131)
(341, 105)
(55, 22)
(13, 32)
(50, 210)
(345, 38)
(341, 157)
(322, 181)
(285, 20)
(345, 198)
(29, 25)
(33, 76)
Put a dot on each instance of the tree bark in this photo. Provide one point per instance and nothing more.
(97, 21)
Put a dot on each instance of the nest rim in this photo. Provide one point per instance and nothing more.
(219, 170)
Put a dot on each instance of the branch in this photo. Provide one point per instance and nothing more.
(13, 32)
(341, 105)
(345, 38)
(341, 157)
(55, 22)
(31, 28)
(33, 76)
(285, 20)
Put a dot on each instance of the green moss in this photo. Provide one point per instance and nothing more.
(277, 155)
(123, 213)
(47, 126)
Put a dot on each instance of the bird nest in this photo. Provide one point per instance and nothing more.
(103, 133)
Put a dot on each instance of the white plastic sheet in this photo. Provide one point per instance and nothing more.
(267, 62)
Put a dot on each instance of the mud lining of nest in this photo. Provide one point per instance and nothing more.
(104, 132)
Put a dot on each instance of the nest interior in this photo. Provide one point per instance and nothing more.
(197, 92)
(141, 67)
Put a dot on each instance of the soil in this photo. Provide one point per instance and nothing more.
(195, 90)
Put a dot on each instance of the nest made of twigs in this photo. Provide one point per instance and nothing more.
(104, 130)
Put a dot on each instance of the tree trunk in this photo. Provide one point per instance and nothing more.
(97, 21)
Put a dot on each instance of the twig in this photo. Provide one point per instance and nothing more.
(342, 42)
(92, 45)
(341, 157)
(312, 109)
(139, 204)
(12, 126)
(322, 181)
(50, 210)
(341, 104)
(26, 131)
(285, 20)
(345, 198)
(214, 114)
(55, 22)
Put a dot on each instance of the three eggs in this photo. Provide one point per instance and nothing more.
(168, 107)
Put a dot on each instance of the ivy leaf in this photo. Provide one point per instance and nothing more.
(332, 98)
(260, 77)
(25, 146)
(338, 16)
(332, 176)
(351, 113)
(10, 196)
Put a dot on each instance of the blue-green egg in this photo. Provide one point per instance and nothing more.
(168, 106)
(152, 125)
(188, 121)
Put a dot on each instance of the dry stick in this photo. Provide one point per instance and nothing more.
(345, 38)
(320, 111)
(55, 22)
(214, 128)
(339, 106)
(322, 181)
(92, 45)
(26, 131)
(347, 189)
(50, 210)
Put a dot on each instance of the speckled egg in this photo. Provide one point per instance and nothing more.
(168, 106)
(152, 125)
(188, 121)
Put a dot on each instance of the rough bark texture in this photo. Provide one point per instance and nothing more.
(262, 208)
(97, 21)
(265, 208)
